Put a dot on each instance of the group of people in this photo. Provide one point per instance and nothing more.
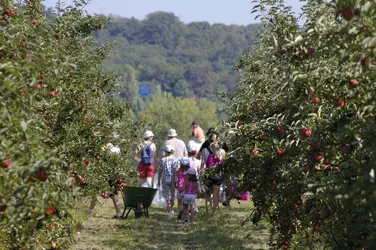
(184, 170)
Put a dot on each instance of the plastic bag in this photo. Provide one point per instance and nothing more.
(146, 185)
(158, 198)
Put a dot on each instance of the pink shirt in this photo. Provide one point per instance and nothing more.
(192, 187)
(181, 180)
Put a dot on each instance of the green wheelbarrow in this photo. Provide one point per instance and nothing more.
(137, 198)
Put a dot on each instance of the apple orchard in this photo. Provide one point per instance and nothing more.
(57, 111)
(303, 126)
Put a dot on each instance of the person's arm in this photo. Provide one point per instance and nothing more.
(160, 172)
(154, 148)
(185, 153)
(223, 154)
(197, 188)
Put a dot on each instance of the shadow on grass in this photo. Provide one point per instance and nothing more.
(220, 231)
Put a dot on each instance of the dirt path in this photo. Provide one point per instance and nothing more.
(222, 231)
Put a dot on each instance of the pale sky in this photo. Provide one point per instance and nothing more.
(212, 11)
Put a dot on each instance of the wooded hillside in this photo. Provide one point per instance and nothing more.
(194, 59)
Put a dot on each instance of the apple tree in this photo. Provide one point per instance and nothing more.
(57, 113)
(302, 124)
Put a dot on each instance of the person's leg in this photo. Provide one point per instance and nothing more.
(92, 204)
(186, 212)
(141, 174)
(216, 190)
(180, 207)
(172, 197)
(168, 205)
(208, 201)
(192, 209)
(150, 174)
(116, 202)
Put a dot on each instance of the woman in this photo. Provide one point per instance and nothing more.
(198, 137)
(145, 156)
(212, 164)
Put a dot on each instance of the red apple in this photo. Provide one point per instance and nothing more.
(35, 22)
(340, 103)
(51, 210)
(279, 130)
(274, 182)
(316, 100)
(10, 12)
(306, 132)
(22, 44)
(345, 150)
(317, 157)
(38, 10)
(327, 161)
(255, 152)
(97, 157)
(88, 120)
(105, 195)
(120, 180)
(280, 152)
(264, 138)
(43, 175)
(365, 61)
(347, 14)
(354, 82)
(54, 94)
(58, 37)
(53, 245)
(22, 93)
(5, 164)
(87, 162)
(38, 86)
(239, 66)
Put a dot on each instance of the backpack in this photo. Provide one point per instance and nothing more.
(211, 161)
(147, 155)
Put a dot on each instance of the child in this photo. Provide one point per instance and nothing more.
(194, 163)
(167, 168)
(180, 177)
(190, 193)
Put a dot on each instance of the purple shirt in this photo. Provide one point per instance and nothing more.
(191, 189)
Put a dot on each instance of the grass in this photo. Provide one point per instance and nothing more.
(221, 231)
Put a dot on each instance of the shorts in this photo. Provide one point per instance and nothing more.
(145, 171)
(189, 199)
(168, 191)
(180, 195)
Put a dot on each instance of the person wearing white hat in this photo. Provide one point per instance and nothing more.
(167, 168)
(145, 156)
(180, 150)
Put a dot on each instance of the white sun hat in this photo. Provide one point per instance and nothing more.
(148, 134)
(168, 148)
(192, 147)
(171, 132)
